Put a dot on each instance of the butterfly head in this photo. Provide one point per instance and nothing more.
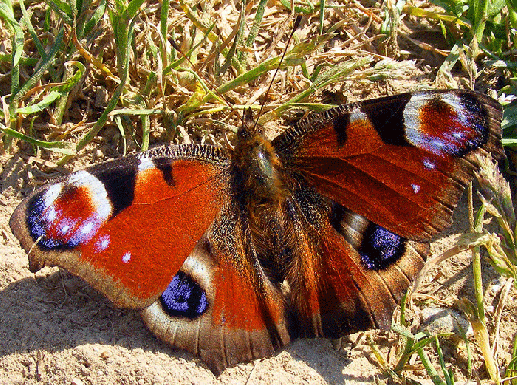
(255, 161)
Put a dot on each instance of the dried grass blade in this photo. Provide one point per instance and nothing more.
(416, 11)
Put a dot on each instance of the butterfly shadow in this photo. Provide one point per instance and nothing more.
(56, 311)
(335, 365)
(59, 311)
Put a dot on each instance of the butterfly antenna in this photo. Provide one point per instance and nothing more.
(295, 27)
(246, 115)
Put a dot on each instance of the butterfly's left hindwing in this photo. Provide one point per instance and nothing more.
(345, 273)
(125, 226)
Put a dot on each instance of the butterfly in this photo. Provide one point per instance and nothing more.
(231, 253)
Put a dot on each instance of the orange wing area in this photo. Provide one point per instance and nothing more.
(386, 183)
(151, 238)
(130, 255)
(406, 181)
(239, 303)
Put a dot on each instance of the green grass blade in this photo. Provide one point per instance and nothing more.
(261, 8)
(509, 118)
(112, 102)
(55, 93)
(7, 58)
(255, 27)
(95, 18)
(30, 28)
(449, 380)
(509, 142)
(237, 34)
(18, 42)
(146, 132)
(7, 13)
(331, 76)
(63, 10)
(431, 371)
(322, 15)
(480, 11)
(136, 111)
(120, 126)
(60, 147)
(292, 58)
(41, 70)
(308, 10)
(407, 352)
(51, 97)
(164, 14)
(132, 9)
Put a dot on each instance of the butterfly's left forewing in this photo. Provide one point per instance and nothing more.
(400, 161)
(125, 226)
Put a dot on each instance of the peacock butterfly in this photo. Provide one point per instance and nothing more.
(233, 253)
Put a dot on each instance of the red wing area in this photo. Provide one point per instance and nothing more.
(220, 307)
(347, 273)
(402, 162)
(345, 297)
(125, 227)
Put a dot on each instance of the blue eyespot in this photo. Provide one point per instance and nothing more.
(380, 247)
(184, 297)
(38, 218)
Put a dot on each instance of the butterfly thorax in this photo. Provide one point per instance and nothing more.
(257, 169)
